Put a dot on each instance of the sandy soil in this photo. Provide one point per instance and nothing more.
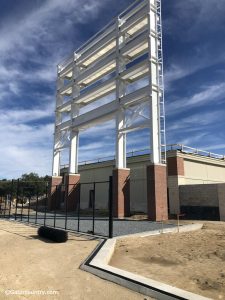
(193, 261)
(30, 264)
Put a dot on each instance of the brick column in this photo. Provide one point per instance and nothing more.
(121, 193)
(175, 167)
(72, 191)
(54, 192)
(157, 192)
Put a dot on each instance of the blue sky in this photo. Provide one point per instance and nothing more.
(35, 35)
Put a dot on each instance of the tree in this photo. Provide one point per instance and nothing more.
(32, 184)
(5, 187)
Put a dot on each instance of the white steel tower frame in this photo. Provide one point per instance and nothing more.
(125, 51)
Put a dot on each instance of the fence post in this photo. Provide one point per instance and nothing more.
(17, 195)
(93, 207)
(5, 205)
(11, 198)
(36, 207)
(28, 217)
(66, 189)
(46, 198)
(78, 208)
(110, 207)
(21, 210)
(55, 204)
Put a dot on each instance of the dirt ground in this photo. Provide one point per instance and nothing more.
(194, 261)
(30, 265)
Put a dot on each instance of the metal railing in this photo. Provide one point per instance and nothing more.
(132, 153)
(170, 147)
(196, 151)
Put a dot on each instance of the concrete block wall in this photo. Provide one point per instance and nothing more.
(199, 195)
(207, 195)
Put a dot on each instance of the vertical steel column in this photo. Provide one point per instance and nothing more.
(161, 83)
(154, 91)
(74, 134)
(73, 160)
(120, 91)
(57, 133)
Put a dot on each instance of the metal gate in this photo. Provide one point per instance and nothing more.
(92, 213)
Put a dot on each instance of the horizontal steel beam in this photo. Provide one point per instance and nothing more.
(65, 107)
(67, 71)
(96, 71)
(135, 127)
(136, 46)
(97, 92)
(98, 49)
(126, 14)
(136, 97)
(98, 115)
(67, 89)
(134, 19)
(102, 112)
(136, 71)
(97, 38)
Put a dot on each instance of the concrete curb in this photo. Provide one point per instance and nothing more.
(98, 264)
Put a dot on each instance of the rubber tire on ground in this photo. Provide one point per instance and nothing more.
(53, 234)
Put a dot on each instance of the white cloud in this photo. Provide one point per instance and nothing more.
(206, 95)
(25, 149)
(195, 123)
(17, 117)
(30, 49)
(215, 147)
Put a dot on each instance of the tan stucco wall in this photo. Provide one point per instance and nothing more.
(138, 186)
(201, 169)
(97, 173)
(203, 172)
(102, 171)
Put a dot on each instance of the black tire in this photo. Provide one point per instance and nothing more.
(55, 235)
